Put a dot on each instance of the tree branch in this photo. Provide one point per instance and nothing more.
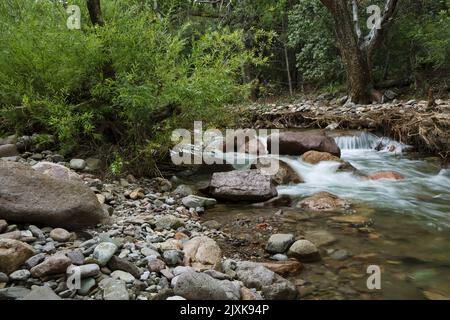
(375, 35)
(356, 20)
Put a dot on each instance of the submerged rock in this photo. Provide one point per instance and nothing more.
(323, 201)
(386, 175)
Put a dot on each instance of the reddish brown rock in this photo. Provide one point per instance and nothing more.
(386, 175)
(13, 254)
(284, 268)
(53, 265)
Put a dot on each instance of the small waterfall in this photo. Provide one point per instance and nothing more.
(362, 141)
(368, 141)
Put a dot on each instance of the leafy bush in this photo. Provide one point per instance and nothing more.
(53, 79)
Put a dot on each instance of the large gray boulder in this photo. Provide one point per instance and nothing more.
(29, 196)
(296, 143)
(242, 185)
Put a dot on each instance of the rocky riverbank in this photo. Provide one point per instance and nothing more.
(125, 239)
(422, 124)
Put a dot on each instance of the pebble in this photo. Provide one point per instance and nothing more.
(20, 275)
(53, 265)
(173, 257)
(122, 275)
(86, 286)
(103, 252)
(60, 235)
(115, 290)
(279, 243)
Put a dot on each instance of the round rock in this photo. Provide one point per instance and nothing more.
(60, 235)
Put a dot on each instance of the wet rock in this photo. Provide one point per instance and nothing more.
(340, 254)
(304, 250)
(42, 293)
(273, 286)
(323, 201)
(56, 171)
(103, 252)
(353, 220)
(286, 175)
(8, 150)
(314, 157)
(297, 143)
(199, 286)
(202, 253)
(32, 197)
(114, 290)
(60, 235)
(55, 264)
(284, 268)
(13, 254)
(20, 275)
(193, 201)
(77, 164)
(386, 175)
(116, 263)
(279, 243)
(320, 237)
(242, 185)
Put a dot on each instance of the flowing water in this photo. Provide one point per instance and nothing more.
(409, 239)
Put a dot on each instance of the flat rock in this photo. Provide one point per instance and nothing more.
(56, 171)
(115, 290)
(200, 286)
(323, 202)
(193, 201)
(103, 252)
(41, 293)
(242, 185)
(116, 263)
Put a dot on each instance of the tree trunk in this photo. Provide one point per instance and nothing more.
(356, 59)
(95, 12)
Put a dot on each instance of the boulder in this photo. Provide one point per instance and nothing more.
(202, 253)
(286, 175)
(243, 141)
(323, 201)
(13, 254)
(29, 196)
(8, 150)
(297, 143)
(386, 175)
(56, 171)
(242, 185)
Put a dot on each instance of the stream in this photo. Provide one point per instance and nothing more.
(408, 238)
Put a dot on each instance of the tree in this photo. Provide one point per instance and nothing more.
(95, 12)
(356, 50)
